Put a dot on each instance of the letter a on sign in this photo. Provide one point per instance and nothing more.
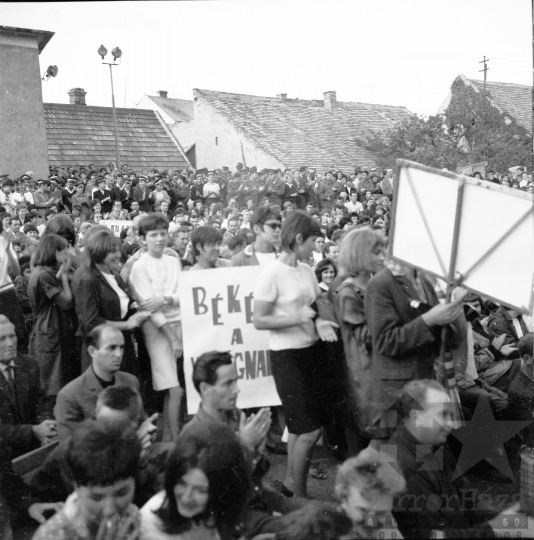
(237, 338)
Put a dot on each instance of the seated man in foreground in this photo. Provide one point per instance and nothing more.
(432, 506)
(25, 412)
(215, 378)
(117, 409)
(77, 400)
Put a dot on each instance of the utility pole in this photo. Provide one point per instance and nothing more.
(485, 70)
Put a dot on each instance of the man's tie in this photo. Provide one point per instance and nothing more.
(11, 380)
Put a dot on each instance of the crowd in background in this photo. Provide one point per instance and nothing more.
(91, 324)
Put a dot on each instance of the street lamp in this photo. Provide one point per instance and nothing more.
(50, 72)
(116, 53)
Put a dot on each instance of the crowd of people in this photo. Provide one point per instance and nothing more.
(91, 354)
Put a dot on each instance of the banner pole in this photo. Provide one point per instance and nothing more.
(446, 368)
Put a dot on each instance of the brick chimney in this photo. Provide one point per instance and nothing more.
(163, 93)
(77, 96)
(329, 100)
(281, 96)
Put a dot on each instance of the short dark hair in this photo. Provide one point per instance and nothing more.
(526, 345)
(45, 254)
(62, 226)
(94, 337)
(97, 456)
(345, 221)
(204, 235)
(298, 222)
(322, 265)
(205, 368)
(99, 245)
(119, 398)
(236, 241)
(262, 214)
(152, 222)
(413, 396)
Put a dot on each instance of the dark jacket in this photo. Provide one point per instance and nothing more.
(145, 203)
(107, 205)
(96, 303)
(500, 322)
(76, 401)
(430, 500)
(404, 346)
(29, 408)
(15, 495)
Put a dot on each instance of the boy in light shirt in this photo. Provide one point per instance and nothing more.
(155, 277)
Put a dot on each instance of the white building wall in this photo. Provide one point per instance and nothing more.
(218, 143)
(147, 103)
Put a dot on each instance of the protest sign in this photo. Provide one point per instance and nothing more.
(466, 231)
(473, 168)
(116, 225)
(217, 307)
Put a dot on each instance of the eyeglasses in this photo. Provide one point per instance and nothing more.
(274, 225)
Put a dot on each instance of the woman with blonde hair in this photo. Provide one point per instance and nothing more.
(365, 487)
(362, 254)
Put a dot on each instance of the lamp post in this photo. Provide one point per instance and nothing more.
(117, 53)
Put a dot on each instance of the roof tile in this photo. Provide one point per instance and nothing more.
(82, 134)
(298, 132)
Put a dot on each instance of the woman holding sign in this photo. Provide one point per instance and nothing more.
(284, 304)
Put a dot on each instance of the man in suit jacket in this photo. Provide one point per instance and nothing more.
(76, 401)
(25, 412)
(120, 192)
(141, 194)
(104, 196)
(405, 321)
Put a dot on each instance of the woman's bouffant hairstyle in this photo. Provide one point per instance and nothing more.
(296, 223)
(48, 246)
(216, 451)
(371, 474)
(99, 244)
(355, 248)
(62, 226)
(321, 267)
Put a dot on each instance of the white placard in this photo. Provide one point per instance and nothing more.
(116, 225)
(488, 212)
(217, 307)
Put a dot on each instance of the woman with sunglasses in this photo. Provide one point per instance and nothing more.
(285, 304)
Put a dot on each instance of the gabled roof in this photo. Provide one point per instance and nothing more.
(80, 135)
(512, 99)
(302, 132)
(180, 110)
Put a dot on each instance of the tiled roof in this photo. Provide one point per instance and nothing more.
(513, 99)
(298, 132)
(80, 135)
(180, 110)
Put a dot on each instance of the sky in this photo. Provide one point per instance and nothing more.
(392, 52)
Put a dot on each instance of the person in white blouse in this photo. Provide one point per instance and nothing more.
(155, 277)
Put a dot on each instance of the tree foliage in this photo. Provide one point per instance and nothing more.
(472, 130)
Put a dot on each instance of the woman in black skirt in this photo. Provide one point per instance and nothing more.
(284, 304)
